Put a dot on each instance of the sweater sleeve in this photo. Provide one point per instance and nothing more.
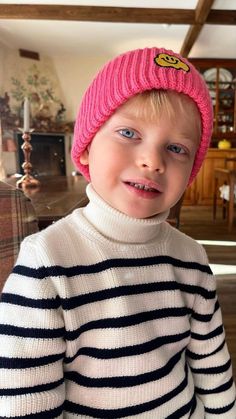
(208, 355)
(31, 340)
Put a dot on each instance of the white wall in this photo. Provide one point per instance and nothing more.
(75, 74)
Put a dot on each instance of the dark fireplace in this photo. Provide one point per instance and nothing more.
(48, 154)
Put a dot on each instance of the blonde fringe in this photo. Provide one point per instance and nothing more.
(156, 103)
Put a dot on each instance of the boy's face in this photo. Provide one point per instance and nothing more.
(141, 166)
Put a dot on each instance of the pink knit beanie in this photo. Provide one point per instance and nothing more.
(131, 73)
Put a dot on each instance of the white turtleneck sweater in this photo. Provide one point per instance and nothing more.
(107, 316)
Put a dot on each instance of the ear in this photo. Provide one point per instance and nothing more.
(84, 158)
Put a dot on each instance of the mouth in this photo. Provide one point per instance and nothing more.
(144, 185)
(141, 187)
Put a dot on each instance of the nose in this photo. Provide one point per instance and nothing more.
(152, 160)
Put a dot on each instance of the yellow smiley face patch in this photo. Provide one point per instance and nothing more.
(166, 60)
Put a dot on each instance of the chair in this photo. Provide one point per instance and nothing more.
(174, 215)
(17, 220)
(227, 176)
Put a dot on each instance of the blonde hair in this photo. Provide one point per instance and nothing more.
(156, 103)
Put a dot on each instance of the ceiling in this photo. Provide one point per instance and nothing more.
(207, 29)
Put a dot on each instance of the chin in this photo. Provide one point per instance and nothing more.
(140, 214)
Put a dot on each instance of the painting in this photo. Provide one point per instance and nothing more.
(38, 82)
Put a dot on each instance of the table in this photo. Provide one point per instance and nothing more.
(56, 196)
(227, 176)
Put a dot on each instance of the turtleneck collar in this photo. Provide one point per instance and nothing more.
(117, 226)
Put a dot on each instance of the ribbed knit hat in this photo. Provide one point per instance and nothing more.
(129, 74)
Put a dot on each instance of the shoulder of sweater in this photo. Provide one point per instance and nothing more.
(56, 231)
(184, 243)
(178, 235)
(53, 245)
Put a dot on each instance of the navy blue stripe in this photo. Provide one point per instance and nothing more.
(220, 389)
(218, 331)
(128, 320)
(179, 413)
(46, 414)
(129, 350)
(56, 270)
(71, 407)
(28, 390)
(124, 381)
(206, 317)
(193, 355)
(220, 410)
(104, 294)
(80, 300)
(49, 303)
(193, 406)
(20, 363)
(194, 289)
(212, 370)
(31, 332)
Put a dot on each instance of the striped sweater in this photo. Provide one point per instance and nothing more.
(105, 316)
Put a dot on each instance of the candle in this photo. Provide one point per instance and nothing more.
(26, 115)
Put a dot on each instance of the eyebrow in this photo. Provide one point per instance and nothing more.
(191, 140)
(127, 115)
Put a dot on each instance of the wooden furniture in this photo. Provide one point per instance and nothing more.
(220, 76)
(56, 197)
(201, 191)
(228, 177)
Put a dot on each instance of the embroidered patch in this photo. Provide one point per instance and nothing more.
(166, 60)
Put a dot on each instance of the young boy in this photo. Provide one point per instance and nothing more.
(111, 312)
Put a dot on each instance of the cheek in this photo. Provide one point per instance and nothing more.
(101, 163)
(186, 176)
(108, 156)
(181, 173)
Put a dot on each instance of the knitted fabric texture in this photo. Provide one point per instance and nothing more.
(108, 316)
(129, 74)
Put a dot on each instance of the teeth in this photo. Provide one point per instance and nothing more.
(140, 186)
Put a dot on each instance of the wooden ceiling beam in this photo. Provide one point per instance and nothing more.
(201, 13)
(96, 14)
(222, 17)
(202, 10)
(116, 14)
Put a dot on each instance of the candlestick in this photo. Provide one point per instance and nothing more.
(27, 180)
(26, 115)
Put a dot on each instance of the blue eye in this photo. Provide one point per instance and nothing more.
(175, 148)
(128, 133)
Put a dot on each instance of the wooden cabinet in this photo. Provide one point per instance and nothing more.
(220, 76)
(201, 190)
